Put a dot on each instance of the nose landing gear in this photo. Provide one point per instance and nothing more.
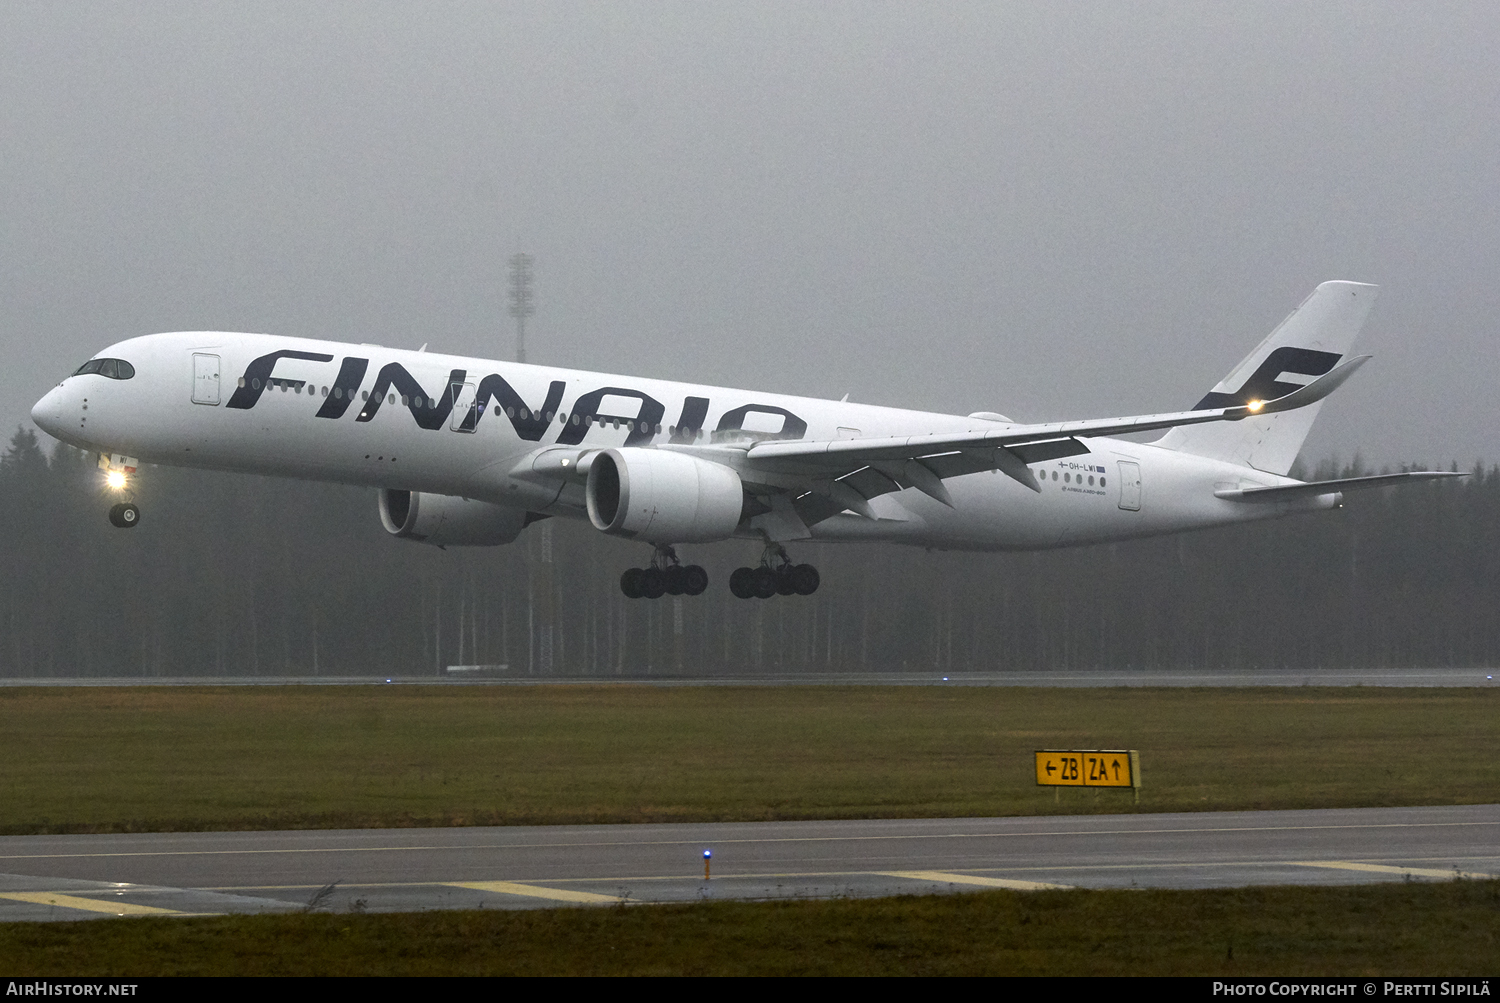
(118, 470)
(666, 575)
(777, 575)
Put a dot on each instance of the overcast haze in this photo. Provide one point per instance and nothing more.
(1049, 210)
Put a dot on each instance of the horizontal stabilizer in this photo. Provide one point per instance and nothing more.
(1288, 491)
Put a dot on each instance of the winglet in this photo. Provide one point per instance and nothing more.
(1310, 394)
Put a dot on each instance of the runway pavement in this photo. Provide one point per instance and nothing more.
(1082, 678)
(76, 877)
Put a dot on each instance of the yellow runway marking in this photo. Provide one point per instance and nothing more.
(113, 907)
(1420, 872)
(973, 879)
(532, 891)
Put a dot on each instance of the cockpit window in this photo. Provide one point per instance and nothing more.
(115, 369)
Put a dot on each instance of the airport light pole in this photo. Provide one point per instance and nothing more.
(543, 592)
(522, 301)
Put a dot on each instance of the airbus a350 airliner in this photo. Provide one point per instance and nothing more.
(470, 451)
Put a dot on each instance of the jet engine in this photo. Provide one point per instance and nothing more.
(663, 497)
(447, 521)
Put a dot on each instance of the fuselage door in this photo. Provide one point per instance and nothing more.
(463, 401)
(1130, 486)
(205, 378)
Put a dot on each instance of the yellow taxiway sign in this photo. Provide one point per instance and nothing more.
(1088, 768)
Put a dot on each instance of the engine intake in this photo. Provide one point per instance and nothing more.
(663, 497)
(448, 521)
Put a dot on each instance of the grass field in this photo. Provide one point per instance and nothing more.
(142, 759)
(1446, 929)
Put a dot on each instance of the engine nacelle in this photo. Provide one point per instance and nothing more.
(663, 497)
(448, 521)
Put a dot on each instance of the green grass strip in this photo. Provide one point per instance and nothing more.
(179, 758)
(1451, 928)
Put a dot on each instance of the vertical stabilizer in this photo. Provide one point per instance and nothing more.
(1309, 343)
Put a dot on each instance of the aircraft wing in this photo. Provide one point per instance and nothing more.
(849, 472)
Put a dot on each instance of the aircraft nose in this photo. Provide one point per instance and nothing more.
(48, 412)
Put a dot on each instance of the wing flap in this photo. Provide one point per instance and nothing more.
(870, 482)
(1054, 449)
(814, 508)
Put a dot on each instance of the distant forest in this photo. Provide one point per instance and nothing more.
(231, 575)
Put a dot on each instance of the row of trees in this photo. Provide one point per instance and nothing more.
(232, 575)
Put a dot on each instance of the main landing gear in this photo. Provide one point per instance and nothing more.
(777, 575)
(124, 515)
(665, 576)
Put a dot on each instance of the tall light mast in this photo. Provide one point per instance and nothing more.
(522, 301)
(543, 593)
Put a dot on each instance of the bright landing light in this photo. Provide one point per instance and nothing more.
(1256, 405)
(115, 479)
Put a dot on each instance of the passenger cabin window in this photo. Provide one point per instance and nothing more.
(115, 369)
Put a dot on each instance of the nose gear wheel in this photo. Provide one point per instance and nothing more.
(125, 515)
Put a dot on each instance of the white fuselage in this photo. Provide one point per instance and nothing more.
(337, 417)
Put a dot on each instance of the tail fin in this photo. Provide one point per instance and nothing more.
(1309, 343)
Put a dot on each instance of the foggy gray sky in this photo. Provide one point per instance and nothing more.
(1051, 210)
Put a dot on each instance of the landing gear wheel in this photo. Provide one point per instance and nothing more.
(777, 575)
(124, 515)
(630, 583)
(765, 582)
(653, 583)
(742, 583)
(665, 576)
(804, 578)
(695, 580)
